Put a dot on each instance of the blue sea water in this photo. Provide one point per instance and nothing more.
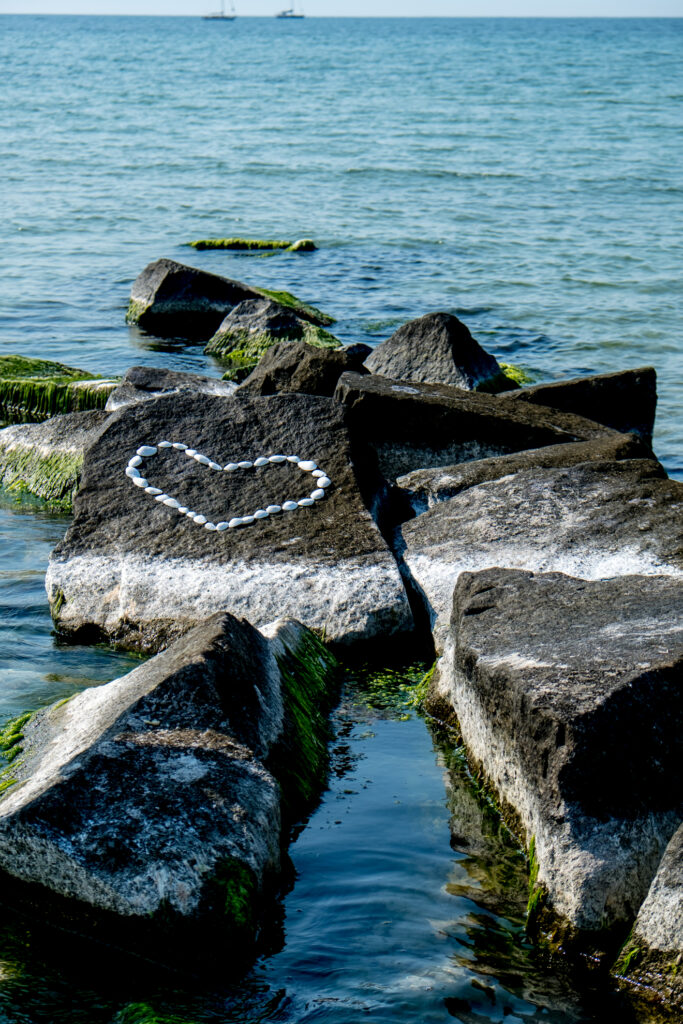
(524, 174)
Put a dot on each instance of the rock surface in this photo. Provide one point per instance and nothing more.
(592, 520)
(143, 383)
(34, 389)
(140, 573)
(427, 487)
(151, 807)
(650, 967)
(415, 426)
(437, 349)
(568, 696)
(45, 459)
(253, 327)
(299, 367)
(625, 401)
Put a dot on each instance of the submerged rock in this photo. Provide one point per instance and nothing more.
(299, 367)
(257, 544)
(567, 694)
(650, 964)
(253, 327)
(34, 389)
(143, 383)
(415, 426)
(592, 520)
(438, 349)
(172, 300)
(45, 459)
(427, 487)
(301, 245)
(625, 400)
(151, 809)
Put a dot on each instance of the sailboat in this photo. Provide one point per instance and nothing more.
(221, 15)
(289, 12)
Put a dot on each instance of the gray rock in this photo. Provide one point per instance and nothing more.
(650, 965)
(140, 573)
(567, 697)
(150, 808)
(437, 349)
(143, 383)
(427, 487)
(45, 459)
(592, 520)
(625, 400)
(415, 426)
(299, 367)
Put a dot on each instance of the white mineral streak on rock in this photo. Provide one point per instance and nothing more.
(317, 494)
(307, 466)
(146, 450)
(135, 461)
(132, 472)
(152, 490)
(261, 461)
(289, 506)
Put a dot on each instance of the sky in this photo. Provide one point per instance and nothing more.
(357, 8)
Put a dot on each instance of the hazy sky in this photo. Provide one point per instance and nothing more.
(443, 8)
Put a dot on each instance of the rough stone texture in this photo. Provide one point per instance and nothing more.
(568, 695)
(592, 520)
(45, 459)
(437, 349)
(142, 383)
(156, 799)
(415, 426)
(299, 367)
(650, 967)
(626, 400)
(138, 572)
(253, 327)
(427, 487)
(172, 300)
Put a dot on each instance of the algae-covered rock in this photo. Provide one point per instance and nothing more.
(145, 383)
(154, 810)
(438, 349)
(172, 300)
(45, 459)
(254, 244)
(34, 389)
(650, 965)
(253, 327)
(297, 366)
(567, 694)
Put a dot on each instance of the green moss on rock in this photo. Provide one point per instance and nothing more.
(239, 243)
(516, 374)
(53, 477)
(36, 389)
(303, 309)
(11, 745)
(242, 350)
(143, 1013)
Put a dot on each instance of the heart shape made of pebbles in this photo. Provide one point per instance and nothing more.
(148, 451)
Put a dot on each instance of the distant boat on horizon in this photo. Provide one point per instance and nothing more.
(221, 15)
(289, 12)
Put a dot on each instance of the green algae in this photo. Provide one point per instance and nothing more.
(11, 746)
(38, 389)
(538, 894)
(54, 477)
(239, 243)
(396, 692)
(301, 308)
(242, 350)
(143, 1013)
(629, 956)
(517, 374)
(239, 890)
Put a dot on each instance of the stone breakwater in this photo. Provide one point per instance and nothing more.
(528, 537)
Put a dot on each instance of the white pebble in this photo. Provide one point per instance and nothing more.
(146, 450)
(318, 472)
(272, 509)
(172, 503)
(135, 461)
(152, 490)
(190, 514)
(191, 452)
(261, 461)
(246, 520)
(214, 465)
(199, 520)
(318, 494)
(180, 446)
(292, 458)
(231, 467)
(277, 458)
(183, 510)
(324, 481)
(161, 497)
(140, 481)
(289, 506)
(164, 444)
(308, 467)
(234, 522)
(221, 526)
(245, 464)
(261, 514)
(202, 459)
(209, 526)
(306, 502)
(132, 472)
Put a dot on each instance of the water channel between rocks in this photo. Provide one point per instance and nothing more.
(408, 897)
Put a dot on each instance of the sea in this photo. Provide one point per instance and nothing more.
(524, 174)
